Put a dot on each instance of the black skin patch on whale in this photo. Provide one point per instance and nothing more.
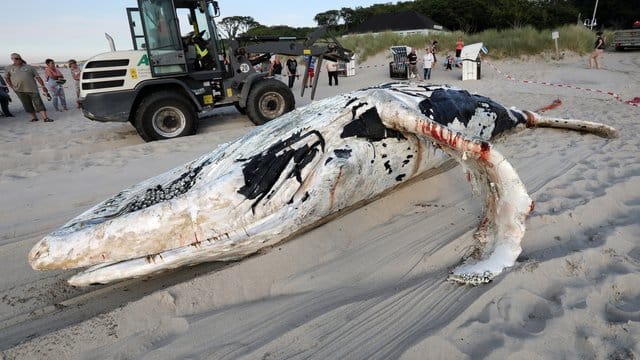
(387, 166)
(351, 101)
(369, 126)
(262, 171)
(302, 157)
(445, 105)
(342, 153)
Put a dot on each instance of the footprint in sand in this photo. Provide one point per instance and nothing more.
(17, 174)
(624, 300)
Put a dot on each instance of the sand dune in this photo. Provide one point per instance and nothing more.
(367, 285)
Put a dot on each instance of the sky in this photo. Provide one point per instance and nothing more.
(39, 29)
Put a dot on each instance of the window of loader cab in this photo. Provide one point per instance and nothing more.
(164, 44)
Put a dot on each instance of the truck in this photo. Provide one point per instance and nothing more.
(180, 68)
(627, 39)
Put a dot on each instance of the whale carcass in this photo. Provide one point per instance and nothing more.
(295, 171)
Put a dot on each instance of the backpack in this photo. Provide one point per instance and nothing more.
(292, 66)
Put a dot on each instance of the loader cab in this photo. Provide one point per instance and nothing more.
(179, 36)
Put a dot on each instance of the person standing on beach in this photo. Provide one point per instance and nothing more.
(332, 71)
(311, 64)
(54, 82)
(412, 59)
(75, 74)
(427, 63)
(449, 62)
(22, 79)
(597, 52)
(276, 68)
(434, 44)
(5, 99)
(459, 46)
(292, 70)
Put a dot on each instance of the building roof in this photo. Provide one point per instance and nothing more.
(397, 21)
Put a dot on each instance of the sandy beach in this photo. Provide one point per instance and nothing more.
(370, 284)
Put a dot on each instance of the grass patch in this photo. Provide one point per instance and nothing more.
(523, 41)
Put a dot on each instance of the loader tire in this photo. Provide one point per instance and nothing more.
(165, 115)
(269, 99)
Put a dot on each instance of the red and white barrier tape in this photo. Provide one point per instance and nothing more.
(633, 102)
(371, 66)
(610, 93)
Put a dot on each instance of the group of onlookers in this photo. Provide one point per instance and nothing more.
(429, 60)
(25, 80)
(291, 67)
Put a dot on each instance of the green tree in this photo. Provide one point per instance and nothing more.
(328, 18)
(280, 30)
(233, 26)
(359, 16)
(347, 15)
(512, 13)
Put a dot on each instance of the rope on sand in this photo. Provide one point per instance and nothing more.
(610, 93)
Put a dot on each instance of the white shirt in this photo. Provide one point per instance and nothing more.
(332, 66)
(427, 60)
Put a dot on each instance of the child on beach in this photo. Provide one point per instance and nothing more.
(449, 62)
(311, 64)
(75, 74)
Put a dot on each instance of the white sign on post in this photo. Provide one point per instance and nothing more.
(555, 35)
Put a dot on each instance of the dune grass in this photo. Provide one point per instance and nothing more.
(524, 41)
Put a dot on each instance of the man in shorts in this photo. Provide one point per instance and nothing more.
(311, 64)
(22, 79)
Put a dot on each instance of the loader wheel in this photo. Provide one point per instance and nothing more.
(240, 109)
(165, 115)
(268, 99)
